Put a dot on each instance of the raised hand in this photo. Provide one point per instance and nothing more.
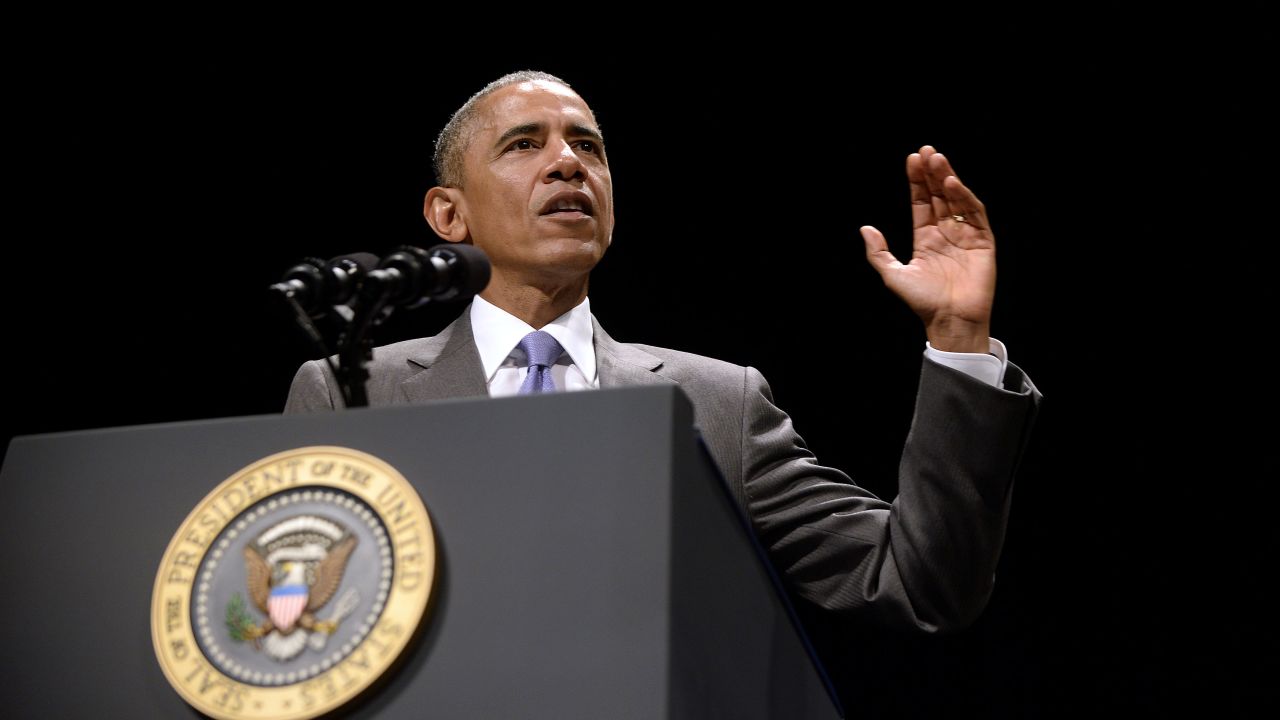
(950, 281)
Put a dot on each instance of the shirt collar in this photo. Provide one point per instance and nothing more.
(497, 332)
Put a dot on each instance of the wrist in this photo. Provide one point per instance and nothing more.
(959, 336)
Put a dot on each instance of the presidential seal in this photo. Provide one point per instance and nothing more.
(293, 586)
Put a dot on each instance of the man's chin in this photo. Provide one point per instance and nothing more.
(572, 257)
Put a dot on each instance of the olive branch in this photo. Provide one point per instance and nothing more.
(240, 623)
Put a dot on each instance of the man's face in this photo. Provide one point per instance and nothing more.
(537, 196)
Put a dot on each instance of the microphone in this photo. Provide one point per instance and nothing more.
(411, 276)
(363, 291)
(317, 285)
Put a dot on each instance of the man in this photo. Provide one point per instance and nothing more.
(524, 176)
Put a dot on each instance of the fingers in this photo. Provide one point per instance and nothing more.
(928, 199)
(936, 169)
(937, 193)
(921, 199)
(963, 202)
(878, 250)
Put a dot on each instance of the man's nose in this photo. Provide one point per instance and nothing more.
(565, 165)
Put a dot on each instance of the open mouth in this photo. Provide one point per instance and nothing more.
(572, 204)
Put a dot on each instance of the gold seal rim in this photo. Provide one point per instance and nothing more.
(401, 620)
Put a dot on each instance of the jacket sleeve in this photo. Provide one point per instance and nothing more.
(926, 560)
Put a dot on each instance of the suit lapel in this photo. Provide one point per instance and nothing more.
(620, 365)
(451, 368)
(450, 365)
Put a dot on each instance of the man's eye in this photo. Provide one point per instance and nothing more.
(589, 146)
(522, 145)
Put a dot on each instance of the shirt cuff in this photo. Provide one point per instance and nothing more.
(989, 367)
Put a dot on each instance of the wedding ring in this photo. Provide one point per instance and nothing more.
(958, 218)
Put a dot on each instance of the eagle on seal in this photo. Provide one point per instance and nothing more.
(293, 582)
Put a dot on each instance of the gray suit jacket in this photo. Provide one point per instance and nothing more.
(925, 560)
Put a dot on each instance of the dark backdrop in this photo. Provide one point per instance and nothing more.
(158, 188)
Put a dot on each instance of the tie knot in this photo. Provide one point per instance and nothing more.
(541, 348)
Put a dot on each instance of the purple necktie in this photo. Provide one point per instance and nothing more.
(542, 351)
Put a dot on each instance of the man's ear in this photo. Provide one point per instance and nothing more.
(443, 210)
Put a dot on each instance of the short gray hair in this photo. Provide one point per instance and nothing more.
(452, 143)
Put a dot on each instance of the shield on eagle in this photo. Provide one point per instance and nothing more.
(285, 605)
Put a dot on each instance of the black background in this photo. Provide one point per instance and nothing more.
(157, 187)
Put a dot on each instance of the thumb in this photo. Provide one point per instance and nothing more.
(878, 250)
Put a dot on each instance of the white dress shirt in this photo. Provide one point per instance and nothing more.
(498, 332)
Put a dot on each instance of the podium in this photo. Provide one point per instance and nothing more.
(590, 563)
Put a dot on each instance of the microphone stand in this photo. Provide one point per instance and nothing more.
(408, 277)
(355, 347)
(400, 274)
(303, 321)
(355, 344)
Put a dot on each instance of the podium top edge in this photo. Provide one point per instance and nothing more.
(638, 390)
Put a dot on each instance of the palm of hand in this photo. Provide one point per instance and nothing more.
(950, 279)
(952, 270)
